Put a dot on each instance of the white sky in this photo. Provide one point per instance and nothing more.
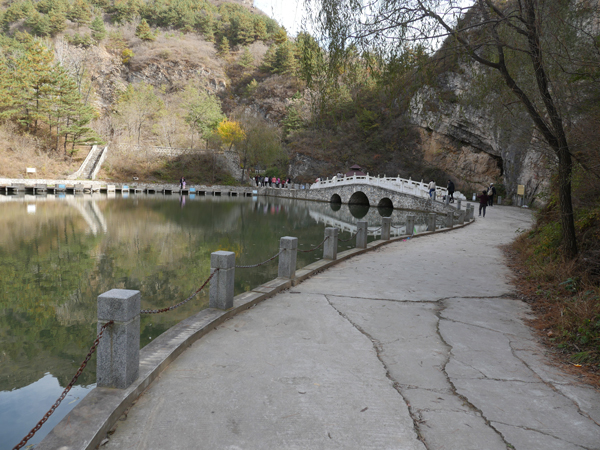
(288, 13)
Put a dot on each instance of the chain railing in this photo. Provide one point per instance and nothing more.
(375, 230)
(171, 308)
(66, 390)
(251, 266)
(314, 248)
(347, 240)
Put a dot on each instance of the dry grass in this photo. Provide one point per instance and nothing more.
(565, 294)
(19, 151)
(124, 165)
(178, 48)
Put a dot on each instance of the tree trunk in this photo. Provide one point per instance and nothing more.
(565, 167)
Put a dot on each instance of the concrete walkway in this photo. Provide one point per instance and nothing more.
(417, 345)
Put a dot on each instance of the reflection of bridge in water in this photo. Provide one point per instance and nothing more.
(345, 217)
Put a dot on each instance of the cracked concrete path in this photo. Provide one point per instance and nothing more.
(417, 345)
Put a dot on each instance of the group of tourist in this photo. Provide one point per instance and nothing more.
(486, 198)
(272, 182)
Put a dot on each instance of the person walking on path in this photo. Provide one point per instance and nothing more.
(483, 202)
(491, 192)
(431, 188)
(451, 190)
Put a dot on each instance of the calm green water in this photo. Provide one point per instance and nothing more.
(58, 254)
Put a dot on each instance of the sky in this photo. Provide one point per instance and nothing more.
(288, 13)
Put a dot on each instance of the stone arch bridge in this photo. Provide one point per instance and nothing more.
(362, 194)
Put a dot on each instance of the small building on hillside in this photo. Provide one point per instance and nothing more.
(355, 170)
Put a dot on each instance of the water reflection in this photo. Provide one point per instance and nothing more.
(58, 253)
(359, 211)
(20, 406)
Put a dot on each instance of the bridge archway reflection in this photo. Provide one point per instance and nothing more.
(358, 211)
(385, 211)
(335, 206)
(335, 198)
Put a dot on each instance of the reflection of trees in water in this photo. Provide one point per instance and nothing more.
(53, 274)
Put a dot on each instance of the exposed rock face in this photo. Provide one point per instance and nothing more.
(172, 73)
(470, 142)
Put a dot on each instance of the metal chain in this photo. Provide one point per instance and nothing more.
(373, 231)
(347, 240)
(171, 308)
(66, 391)
(314, 248)
(262, 263)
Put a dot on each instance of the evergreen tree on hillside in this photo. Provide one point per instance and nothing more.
(246, 60)
(260, 29)
(58, 22)
(280, 36)
(285, 59)
(80, 13)
(224, 47)
(144, 32)
(39, 24)
(98, 29)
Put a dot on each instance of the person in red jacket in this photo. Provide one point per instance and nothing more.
(483, 202)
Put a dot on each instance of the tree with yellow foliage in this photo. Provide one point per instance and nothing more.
(230, 132)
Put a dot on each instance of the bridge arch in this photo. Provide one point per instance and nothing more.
(385, 203)
(335, 198)
(359, 198)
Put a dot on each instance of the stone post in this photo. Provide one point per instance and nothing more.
(118, 360)
(386, 228)
(450, 219)
(410, 225)
(461, 217)
(458, 204)
(472, 213)
(361, 234)
(330, 247)
(221, 285)
(499, 200)
(434, 195)
(431, 221)
(447, 201)
(287, 259)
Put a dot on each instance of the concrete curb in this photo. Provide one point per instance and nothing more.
(87, 425)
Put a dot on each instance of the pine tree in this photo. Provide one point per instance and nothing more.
(285, 59)
(35, 71)
(98, 29)
(144, 32)
(58, 22)
(246, 60)
(39, 24)
(80, 13)
(260, 29)
(224, 47)
(280, 36)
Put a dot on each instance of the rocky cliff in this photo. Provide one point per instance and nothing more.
(477, 143)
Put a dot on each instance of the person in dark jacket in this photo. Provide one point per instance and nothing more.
(491, 192)
(451, 191)
(483, 202)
